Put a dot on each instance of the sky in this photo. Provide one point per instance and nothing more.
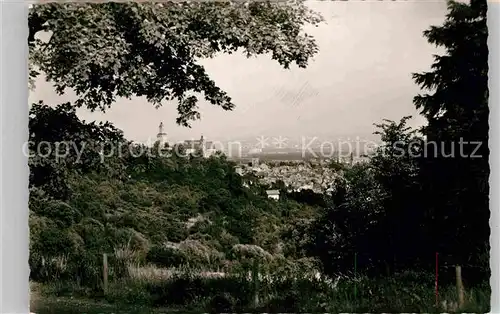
(361, 75)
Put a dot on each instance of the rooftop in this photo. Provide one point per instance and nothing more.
(273, 192)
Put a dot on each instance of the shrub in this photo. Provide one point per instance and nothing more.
(249, 251)
(166, 256)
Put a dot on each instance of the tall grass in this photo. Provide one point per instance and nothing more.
(279, 290)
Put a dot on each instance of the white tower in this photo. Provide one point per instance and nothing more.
(161, 136)
(202, 146)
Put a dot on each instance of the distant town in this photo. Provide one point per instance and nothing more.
(313, 167)
(283, 149)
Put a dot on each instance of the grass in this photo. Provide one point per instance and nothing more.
(155, 290)
(66, 305)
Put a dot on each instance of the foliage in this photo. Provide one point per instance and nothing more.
(170, 210)
(348, 225)
(455, 176)
(110, 50)
(405, 292)
(165, 256)
(59, 144)
(385, 216)
(396, 171)
(250, 252)
(413, 198)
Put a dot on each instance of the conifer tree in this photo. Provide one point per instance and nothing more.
(455, 172)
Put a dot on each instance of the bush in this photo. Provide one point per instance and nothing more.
(165, 256)
(249, 252)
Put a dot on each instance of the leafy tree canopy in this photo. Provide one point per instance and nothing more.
(60, 143)
(109, 50)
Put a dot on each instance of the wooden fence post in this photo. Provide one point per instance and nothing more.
(105, 272)
(255, 280)
(460, 286)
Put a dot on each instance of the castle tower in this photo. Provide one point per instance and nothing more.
(202, 146)
(161, 136)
